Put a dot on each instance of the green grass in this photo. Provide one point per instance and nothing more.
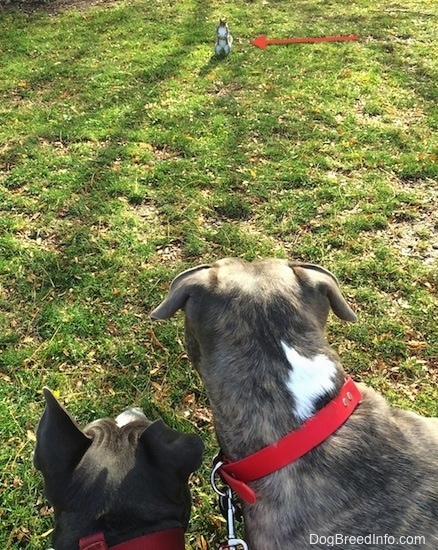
(128, 154)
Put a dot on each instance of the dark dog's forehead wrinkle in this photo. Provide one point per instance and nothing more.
(107, 427)
(112, 447)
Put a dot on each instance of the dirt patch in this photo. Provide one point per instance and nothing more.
(149, 214)
(418, 236)
(146, 211)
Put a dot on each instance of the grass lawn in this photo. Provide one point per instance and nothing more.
(128, 153)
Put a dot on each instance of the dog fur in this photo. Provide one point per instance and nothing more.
(126, 477)
(255, 333)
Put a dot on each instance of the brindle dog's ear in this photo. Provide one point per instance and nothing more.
(60, 446)
(172, 450)
(325, 281)
(179, 292)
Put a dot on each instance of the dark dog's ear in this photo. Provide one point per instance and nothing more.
(180, 289)
(172, 450)
(60, 446)
(326, 282)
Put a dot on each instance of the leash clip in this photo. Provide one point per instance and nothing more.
(229, 512)
(215, 471)
(232, 541)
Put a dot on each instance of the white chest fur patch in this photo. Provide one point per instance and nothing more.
(309, 379)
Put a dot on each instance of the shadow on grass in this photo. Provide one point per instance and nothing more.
(51, 279)
(51, 6)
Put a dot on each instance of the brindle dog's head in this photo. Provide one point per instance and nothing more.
(266, 301)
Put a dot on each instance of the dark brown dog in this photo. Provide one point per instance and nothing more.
(125, 479)
(255, 333)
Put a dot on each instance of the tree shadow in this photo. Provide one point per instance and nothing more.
(51, 6)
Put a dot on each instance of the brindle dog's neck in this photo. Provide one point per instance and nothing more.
(257, 398)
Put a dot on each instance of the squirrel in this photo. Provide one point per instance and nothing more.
(224, 39)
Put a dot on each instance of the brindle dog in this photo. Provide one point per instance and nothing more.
(255, 333)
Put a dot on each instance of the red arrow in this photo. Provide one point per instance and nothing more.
(263, 41)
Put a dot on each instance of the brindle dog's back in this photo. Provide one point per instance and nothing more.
(255, 333)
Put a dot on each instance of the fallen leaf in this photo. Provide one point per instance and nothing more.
(46, 511)
(17, 482)
(417, 344)
(46, 533)
(201, 543)
(189, 399)
(21, 534)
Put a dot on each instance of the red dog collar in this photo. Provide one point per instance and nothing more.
(171, 539)
(292, 446)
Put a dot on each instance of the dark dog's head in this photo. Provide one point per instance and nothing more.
(266, 300)
(126, 477)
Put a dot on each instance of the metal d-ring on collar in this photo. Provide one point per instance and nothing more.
(229, 511)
